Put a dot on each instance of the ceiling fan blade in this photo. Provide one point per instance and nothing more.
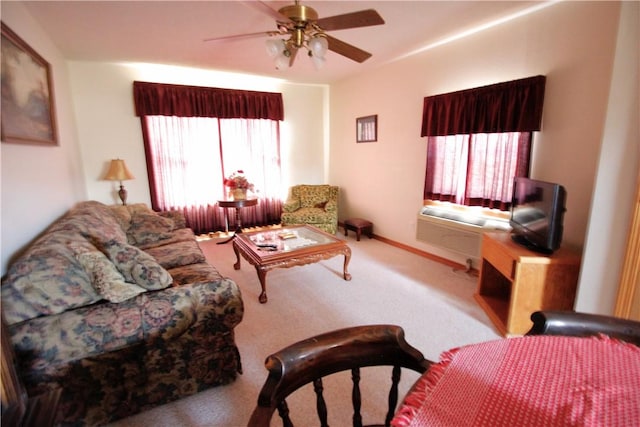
(266, 9)
(242, 36)
(363, 18)
(345, 49)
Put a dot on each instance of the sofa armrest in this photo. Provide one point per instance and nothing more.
(331, 206)
(219, 301)
(291, 205)
(212, 306)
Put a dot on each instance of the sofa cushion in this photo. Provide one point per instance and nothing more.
(136, 208)
(53, 342)
(93, 220)
(312, 195)
(201, 272)
(176, 216)
(48, 345)
(149, 227)
(135, 265)
(181, 235)
(16, 307)
(177, 254)
(307, 216)
(312, 200)
(106, 279)
(122, 215)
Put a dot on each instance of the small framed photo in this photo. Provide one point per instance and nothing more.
(28, 114)
(367, 129)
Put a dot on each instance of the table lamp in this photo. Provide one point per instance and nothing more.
(118, 171)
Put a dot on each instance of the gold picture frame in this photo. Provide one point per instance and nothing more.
(367, 129)
(28, 109)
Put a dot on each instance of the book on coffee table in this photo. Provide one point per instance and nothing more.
(287, 235)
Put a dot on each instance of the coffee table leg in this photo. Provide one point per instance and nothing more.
(236, 266)
(347, 258)
(262, 276)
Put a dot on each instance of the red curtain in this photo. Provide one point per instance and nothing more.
(476, 170)
(514, 106)
(479, 140)
(158, 99)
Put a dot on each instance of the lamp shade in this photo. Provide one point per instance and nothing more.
(118, 171)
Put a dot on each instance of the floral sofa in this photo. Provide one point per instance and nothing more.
(117, 306)
(315, 205)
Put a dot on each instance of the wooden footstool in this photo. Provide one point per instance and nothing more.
(358, 225)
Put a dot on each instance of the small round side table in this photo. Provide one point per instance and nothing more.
(237, 205)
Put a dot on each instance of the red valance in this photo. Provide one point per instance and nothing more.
(158, 99)
(514, 106)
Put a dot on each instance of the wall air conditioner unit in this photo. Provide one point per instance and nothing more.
(459, 233)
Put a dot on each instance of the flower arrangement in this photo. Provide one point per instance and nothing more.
(237, 180)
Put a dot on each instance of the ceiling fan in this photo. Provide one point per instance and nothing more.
(302, 28)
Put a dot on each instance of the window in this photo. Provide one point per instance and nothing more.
(190, 156)
(195, 136)
(479, 139)
(185, 159)
(476, 169)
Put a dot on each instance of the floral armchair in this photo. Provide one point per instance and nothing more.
(315, 205)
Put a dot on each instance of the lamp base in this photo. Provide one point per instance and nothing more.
(123, 195)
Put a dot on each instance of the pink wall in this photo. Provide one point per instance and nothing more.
(572, 43)
(587, 138)
(39, 183)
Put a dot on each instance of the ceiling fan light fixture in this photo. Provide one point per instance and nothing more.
(318, 61)
(275, 47)
(318, 46)
(282, 60)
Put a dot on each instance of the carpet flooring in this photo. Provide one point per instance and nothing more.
(432, 302)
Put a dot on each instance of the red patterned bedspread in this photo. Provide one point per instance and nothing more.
(529, 381)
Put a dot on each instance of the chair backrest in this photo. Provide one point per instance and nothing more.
(311, 195)
(347, 349)
(583, 325)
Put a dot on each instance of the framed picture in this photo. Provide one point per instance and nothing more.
(28, 115)
(367, 129)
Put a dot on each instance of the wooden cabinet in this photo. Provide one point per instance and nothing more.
(515, 282)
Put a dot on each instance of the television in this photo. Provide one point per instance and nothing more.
(537, 213)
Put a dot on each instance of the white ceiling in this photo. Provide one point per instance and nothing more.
(172, 32)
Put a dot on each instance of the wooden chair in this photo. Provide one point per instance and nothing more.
(310, 360)
(574, 324)
(366, 346)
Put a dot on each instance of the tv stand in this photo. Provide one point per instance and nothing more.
(514, 282)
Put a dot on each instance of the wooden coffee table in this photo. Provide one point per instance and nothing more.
(267, 250)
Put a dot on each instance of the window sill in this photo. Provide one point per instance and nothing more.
(489, 218)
